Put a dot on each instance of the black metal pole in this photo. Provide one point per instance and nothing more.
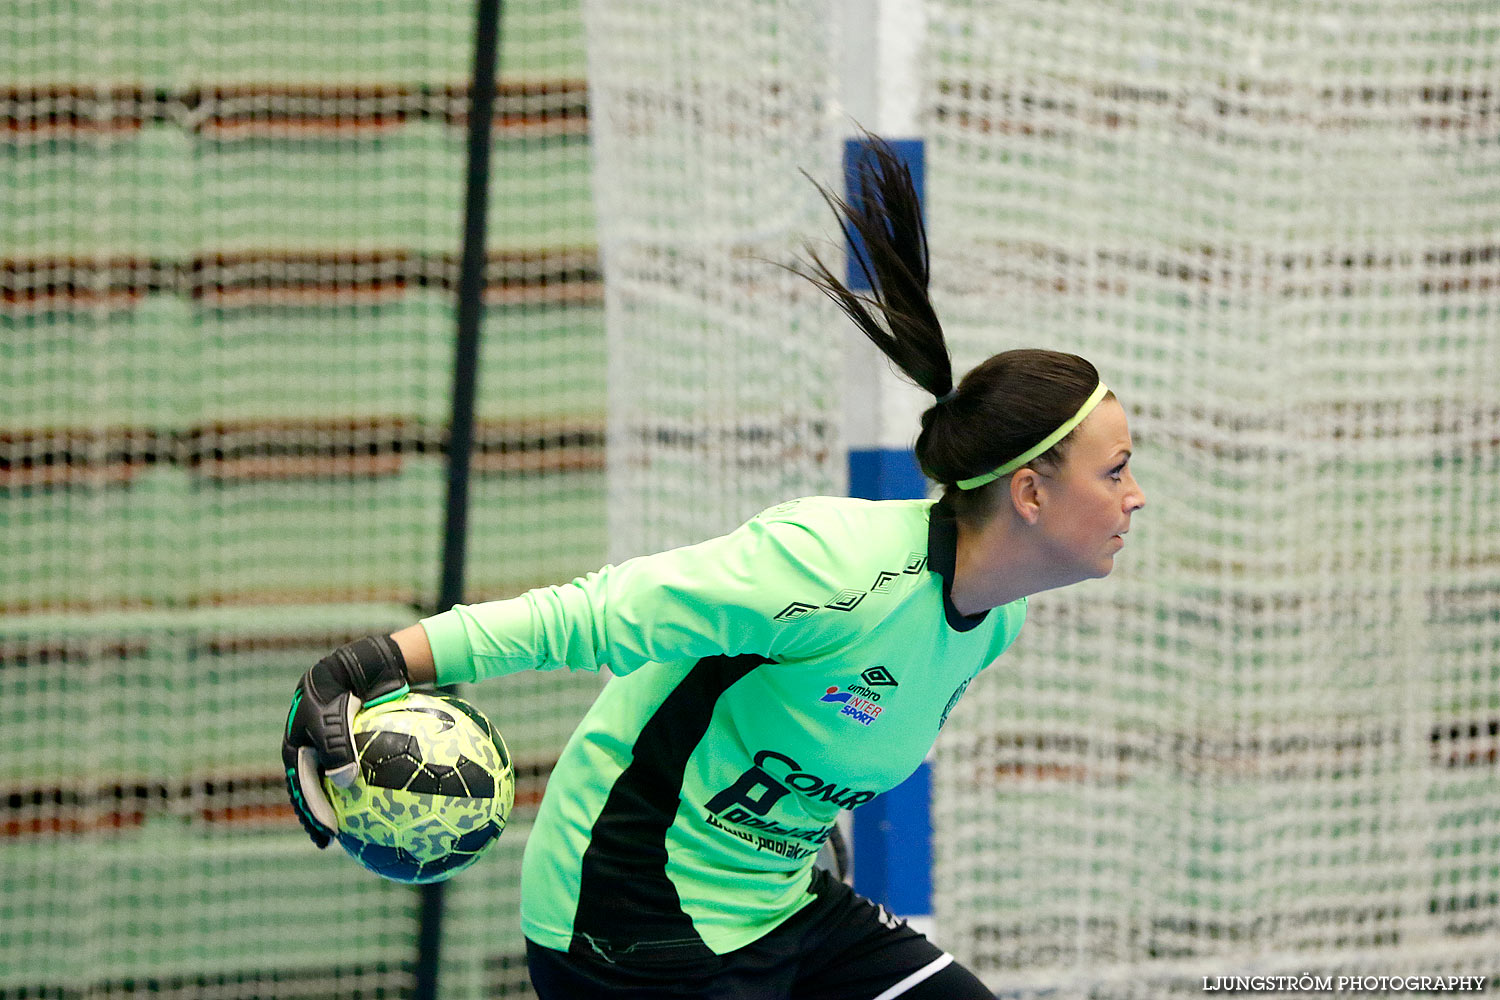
(471, 281)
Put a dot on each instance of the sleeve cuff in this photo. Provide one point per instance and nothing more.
(451, 657)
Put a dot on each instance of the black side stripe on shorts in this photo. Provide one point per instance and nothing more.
(626, 902)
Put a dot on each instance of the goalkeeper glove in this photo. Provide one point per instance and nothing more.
(319, 735)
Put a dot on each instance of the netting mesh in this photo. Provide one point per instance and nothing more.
(1268, 744)
(1269, 740)
(723, 374)
(228, 258)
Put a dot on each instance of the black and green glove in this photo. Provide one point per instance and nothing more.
(319, 737)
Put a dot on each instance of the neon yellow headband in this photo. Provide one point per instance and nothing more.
(1041, 446)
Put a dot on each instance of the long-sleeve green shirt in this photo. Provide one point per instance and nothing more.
(764, 680)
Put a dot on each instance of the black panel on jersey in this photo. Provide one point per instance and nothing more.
(942, 555)
(628, 908)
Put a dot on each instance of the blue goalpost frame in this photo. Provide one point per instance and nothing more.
(892, 841)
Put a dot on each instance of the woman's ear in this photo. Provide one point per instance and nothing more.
(1026, 494)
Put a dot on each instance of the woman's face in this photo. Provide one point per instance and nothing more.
(1087, 502)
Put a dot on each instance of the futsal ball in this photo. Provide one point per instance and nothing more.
(434, 789)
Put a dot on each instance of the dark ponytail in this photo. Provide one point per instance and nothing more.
(886, 214)
(1003, 407)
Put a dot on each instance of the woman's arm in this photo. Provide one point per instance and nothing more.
(417, 652)
(754, 590)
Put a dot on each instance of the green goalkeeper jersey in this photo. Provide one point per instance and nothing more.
(764, 680)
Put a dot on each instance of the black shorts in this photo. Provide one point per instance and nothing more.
(840, 946)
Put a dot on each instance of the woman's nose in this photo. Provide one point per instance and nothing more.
(1135, 499)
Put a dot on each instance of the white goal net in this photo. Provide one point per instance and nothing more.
(722, 375)
(1268, 744)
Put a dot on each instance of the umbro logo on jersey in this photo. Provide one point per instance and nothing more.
(878, 677)
(846, 600)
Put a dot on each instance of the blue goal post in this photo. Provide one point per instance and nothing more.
(892, 832)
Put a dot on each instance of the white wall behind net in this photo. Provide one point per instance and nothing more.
(1268, 742)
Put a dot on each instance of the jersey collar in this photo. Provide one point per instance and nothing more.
(942, 558)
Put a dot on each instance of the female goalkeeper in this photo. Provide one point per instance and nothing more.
(764, 680)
